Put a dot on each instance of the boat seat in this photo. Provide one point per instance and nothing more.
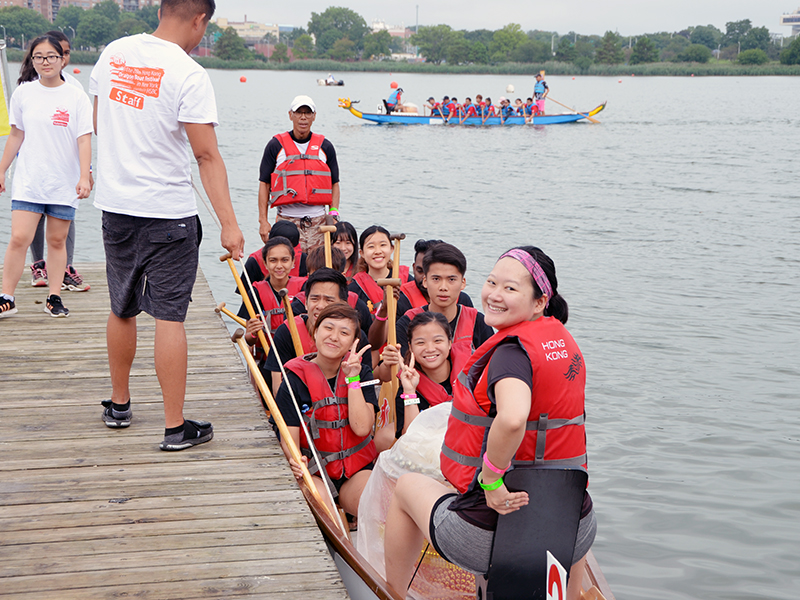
(518, 565)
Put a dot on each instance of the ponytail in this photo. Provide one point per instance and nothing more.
(557, 307)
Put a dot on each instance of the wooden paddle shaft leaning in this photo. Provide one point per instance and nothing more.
(391, 309)
(245, 298)
(238, 338)
(287, 305)
(586, 114)
(220, 309)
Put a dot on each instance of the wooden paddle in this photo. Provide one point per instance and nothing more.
(574, 111)
(287, 305)
(328, 229)
(220, 309)
(294, 451)
(245, 298)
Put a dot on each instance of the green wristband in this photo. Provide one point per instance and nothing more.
(491, 486)
(352, 379)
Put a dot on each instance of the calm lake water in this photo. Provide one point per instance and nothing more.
(675, 229)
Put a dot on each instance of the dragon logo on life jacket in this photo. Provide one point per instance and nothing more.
(61, 117)
(574, 367)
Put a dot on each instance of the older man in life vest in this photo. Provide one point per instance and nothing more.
(299, 177)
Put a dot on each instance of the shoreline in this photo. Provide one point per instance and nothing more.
(661, 69)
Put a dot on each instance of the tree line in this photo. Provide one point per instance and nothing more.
(342, 34)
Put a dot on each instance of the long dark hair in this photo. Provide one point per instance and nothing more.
(371, 230)
(558, 306)
(348, 232)
(27, 72)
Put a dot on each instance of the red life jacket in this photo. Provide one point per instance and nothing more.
(373, 291)
(305, 338)
(273, 309)
(465, 326)
(342, 452)
(434, 393)
(295, 286)
(295, 272)
(301, 178)
(411, 291)
(555, 433)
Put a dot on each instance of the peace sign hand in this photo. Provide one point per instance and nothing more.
(409, 376)
(352, 366)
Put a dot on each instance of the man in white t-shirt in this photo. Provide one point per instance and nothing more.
(153, 101)
(299, 177)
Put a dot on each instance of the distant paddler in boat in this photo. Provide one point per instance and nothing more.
(342, 428)
(512, 391)
(540, 91)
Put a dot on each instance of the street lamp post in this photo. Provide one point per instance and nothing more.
(552, 44)
(73, 31)
(4, 32)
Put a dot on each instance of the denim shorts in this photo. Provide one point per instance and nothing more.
(57, 211)
(151, 264)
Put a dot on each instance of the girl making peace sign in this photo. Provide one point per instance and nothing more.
(338, 412)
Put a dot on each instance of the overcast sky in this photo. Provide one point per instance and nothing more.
(629, 17)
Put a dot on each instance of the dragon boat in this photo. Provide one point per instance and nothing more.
(418, 119)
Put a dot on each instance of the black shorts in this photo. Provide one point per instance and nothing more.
(338, 483)
(151, 264)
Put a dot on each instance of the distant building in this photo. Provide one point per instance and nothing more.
(396, 31)
(793, 20)
(250, 31)
(49, 8)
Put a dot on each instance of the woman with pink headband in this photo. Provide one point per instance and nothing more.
(530, 371)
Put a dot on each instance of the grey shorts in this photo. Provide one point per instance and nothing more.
(470, 547)
(151, 264)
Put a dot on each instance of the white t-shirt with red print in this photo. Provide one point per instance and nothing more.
(146, 89)
(48, 166)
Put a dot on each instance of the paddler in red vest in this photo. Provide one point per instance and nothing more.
(324, 287)
(375, 263)
(256, 267)
(444, 267)
(530, 370)
(433, 365)
(299, 177)
(341, 430)
(278, 254)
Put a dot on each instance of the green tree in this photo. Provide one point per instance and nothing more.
(583, 63)
(290, 36)
(753, 56)
(708, 35)
(23, 23)
(343, 21)
(694, 53)
(676, 45)
(610, 50)
(565, 51)
(478, 53)
(343, 50)
(531, 51)
(149, 14)
(432, 42)
(397, 44)
(584, 49)
(107, 8)
(280, 53)
(131, 26)
(756, 38)
(458, 50)
(644, 51)
(505, 41)
(230, 46)
(303, 47)
(377, 44)
(791, 54)
(69, 16)
(95, 29)
(735, 30)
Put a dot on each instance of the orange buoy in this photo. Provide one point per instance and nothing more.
(76, 70)
(573, 78)
(620, 81)
(633, 74)
(692, 74)
(393, 85)
(243, 79)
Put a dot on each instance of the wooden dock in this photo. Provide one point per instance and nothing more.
(89, 512)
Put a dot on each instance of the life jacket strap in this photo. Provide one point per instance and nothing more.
(475, 420)
(314, 425)
(462, 459)
(575, 461)
(329, 457)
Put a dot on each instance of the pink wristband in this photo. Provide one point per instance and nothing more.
(492, 467)
(354, 386)
(408, 396)
(379, 318)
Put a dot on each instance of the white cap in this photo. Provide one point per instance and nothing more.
(303, 101)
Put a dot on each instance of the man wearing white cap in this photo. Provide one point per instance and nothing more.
(299, 177)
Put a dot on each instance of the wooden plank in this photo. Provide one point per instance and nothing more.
(88, 512)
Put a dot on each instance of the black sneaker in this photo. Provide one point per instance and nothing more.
(73, 281)
(55, 308)
(115, 418)
(193, 434)
(7, 307)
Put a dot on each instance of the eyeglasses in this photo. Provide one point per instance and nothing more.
(50, 58)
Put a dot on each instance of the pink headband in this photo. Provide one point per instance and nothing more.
(535, 269)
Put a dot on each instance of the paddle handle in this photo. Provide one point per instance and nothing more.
(574, 111)
(298, 345)
(246, 299)
(221, 309)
